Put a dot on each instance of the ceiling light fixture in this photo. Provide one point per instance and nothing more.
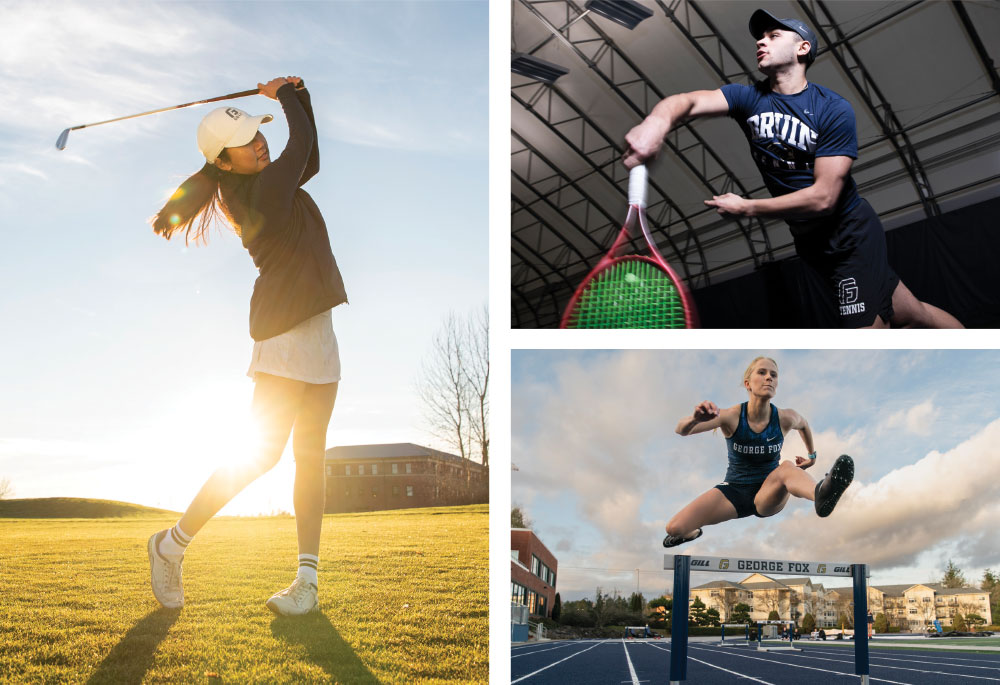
(628, 13)
(538, 69)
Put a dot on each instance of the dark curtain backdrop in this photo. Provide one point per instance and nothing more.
(950, 262)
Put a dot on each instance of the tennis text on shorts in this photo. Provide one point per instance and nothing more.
(847, 291)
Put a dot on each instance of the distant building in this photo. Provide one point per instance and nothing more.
(913, 607)
(907, 607)
(532, 573)
(400, 476)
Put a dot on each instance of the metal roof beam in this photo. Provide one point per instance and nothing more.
(608, 62)
(536, 229)
(601, 161)
(724, 48)
(977, 43)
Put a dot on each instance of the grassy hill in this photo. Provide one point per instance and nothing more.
(74, 508)
(404, 598)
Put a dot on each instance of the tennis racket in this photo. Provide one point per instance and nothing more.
(631, 291)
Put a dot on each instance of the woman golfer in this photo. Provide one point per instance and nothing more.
(756, 483)
(296, 364)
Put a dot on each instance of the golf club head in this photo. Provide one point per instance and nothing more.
(61, 142)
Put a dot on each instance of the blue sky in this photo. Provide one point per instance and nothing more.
(601, 470)
(126, 354)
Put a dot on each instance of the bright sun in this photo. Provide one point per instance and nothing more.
(210, 427)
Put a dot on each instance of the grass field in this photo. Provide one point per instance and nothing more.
(403, 595)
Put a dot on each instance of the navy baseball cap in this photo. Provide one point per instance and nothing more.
(762, 20)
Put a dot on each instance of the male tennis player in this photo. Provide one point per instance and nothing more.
(803, 139)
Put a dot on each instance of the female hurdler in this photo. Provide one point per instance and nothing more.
(296, 363)
(756, 483)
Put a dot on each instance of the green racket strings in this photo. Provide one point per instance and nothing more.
(629, 294)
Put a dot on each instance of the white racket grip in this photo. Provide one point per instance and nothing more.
(637, 181)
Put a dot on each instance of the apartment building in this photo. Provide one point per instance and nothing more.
(907, 607)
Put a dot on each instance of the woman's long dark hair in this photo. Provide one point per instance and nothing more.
(194, 206)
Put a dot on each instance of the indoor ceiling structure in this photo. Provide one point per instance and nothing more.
(920, 76)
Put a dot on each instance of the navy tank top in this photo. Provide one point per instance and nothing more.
(752, 456)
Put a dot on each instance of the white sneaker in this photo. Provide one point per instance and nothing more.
(166, 574)
(299, 598)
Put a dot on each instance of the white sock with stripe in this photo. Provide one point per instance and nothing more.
(174, 542)
(308, 564)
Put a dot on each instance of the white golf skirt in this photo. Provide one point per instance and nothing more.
(307, 352)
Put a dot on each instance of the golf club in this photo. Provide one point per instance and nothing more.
(61, 142)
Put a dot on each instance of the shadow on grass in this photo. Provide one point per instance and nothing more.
(129, 660)
(324, 647)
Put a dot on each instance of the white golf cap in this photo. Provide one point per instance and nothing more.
(227, 127)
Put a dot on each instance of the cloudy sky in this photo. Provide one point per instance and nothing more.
(125, 355)
(601, 470)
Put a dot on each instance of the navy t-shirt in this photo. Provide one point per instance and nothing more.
(788, 132)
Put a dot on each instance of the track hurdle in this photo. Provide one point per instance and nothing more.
(682, 565)
(790, 647)
(746, 634)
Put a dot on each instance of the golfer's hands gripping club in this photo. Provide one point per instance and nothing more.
(270, 89)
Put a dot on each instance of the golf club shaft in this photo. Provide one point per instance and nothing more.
(61, 142)
(231, 96)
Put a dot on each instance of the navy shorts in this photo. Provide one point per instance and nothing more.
(850, 256)
(741, 495)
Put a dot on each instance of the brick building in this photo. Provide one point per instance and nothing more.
(400, 476)
(532, 573)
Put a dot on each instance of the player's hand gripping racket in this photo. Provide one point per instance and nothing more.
(631, 291)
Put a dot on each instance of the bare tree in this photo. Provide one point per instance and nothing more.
(478, 372)
(443, 388)
(6, 488)
(811, 604)
(728, 600)
(454, 385)
(770, 599)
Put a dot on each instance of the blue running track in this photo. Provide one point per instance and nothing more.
(647, 662)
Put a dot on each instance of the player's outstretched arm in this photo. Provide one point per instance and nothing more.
(706, 416)
(643, 142)
(819, 199)
(795, 421)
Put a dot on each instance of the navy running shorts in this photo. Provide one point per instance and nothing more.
(850, 256)
(741, 495)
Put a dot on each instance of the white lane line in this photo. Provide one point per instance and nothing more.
(631, 669)
(741, 675)
(877, 654)
(538, 651)
(901, 668)
(918, 661)
(525, 677)
(809, 668)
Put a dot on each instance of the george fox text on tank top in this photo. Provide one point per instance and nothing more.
(752, 456)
